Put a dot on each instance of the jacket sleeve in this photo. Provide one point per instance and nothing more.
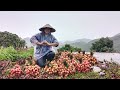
(34, 39)
(55, 41)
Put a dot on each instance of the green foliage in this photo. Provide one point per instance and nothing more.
(8, 39)
(89, 75)
(68, 47)
(103, 45)
(26, 54)
(10, 53)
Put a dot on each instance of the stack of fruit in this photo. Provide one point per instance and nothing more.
(15, 72)
(32, 71)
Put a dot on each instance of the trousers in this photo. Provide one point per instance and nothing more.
(48, 57)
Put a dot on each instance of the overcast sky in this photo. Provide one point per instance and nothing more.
(69, 25)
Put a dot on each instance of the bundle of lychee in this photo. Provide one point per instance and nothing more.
(15, 72)
(84, 66)
(81, 57)
(66, 65)
(32, 71)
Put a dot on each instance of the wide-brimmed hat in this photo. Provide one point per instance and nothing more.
(47, 26)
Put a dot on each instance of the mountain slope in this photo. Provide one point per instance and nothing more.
(116, 41)
(78, 40)
(28, 43)
(86, 46)
(83, 40)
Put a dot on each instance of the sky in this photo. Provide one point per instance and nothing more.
(69, 25)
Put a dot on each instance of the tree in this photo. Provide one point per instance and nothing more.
(68, 47)
(8, 39)
(22, 43)
(103, 45)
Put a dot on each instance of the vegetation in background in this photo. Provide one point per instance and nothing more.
(103, 45)
(10, 53)
(8, 39)
(68, 47)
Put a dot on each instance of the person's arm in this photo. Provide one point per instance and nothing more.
(39, 43)
(34, 40)
(54, 42)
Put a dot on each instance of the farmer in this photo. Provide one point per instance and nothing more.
(44, 42)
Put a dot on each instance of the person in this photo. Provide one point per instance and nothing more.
(44, 42)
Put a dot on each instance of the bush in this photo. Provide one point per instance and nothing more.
(103, 45)
(10, 53)
(70, 48)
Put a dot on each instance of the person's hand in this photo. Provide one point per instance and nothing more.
(40, 43)
(46, 43)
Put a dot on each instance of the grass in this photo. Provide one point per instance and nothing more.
(89, 75)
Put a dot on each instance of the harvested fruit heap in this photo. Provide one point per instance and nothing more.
(32, 71)
(63, 65)
(69, 63)
(15, 72)
(23, 72)
(3, 65)
(88, 57)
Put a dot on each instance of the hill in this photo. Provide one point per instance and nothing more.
(28, 43)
